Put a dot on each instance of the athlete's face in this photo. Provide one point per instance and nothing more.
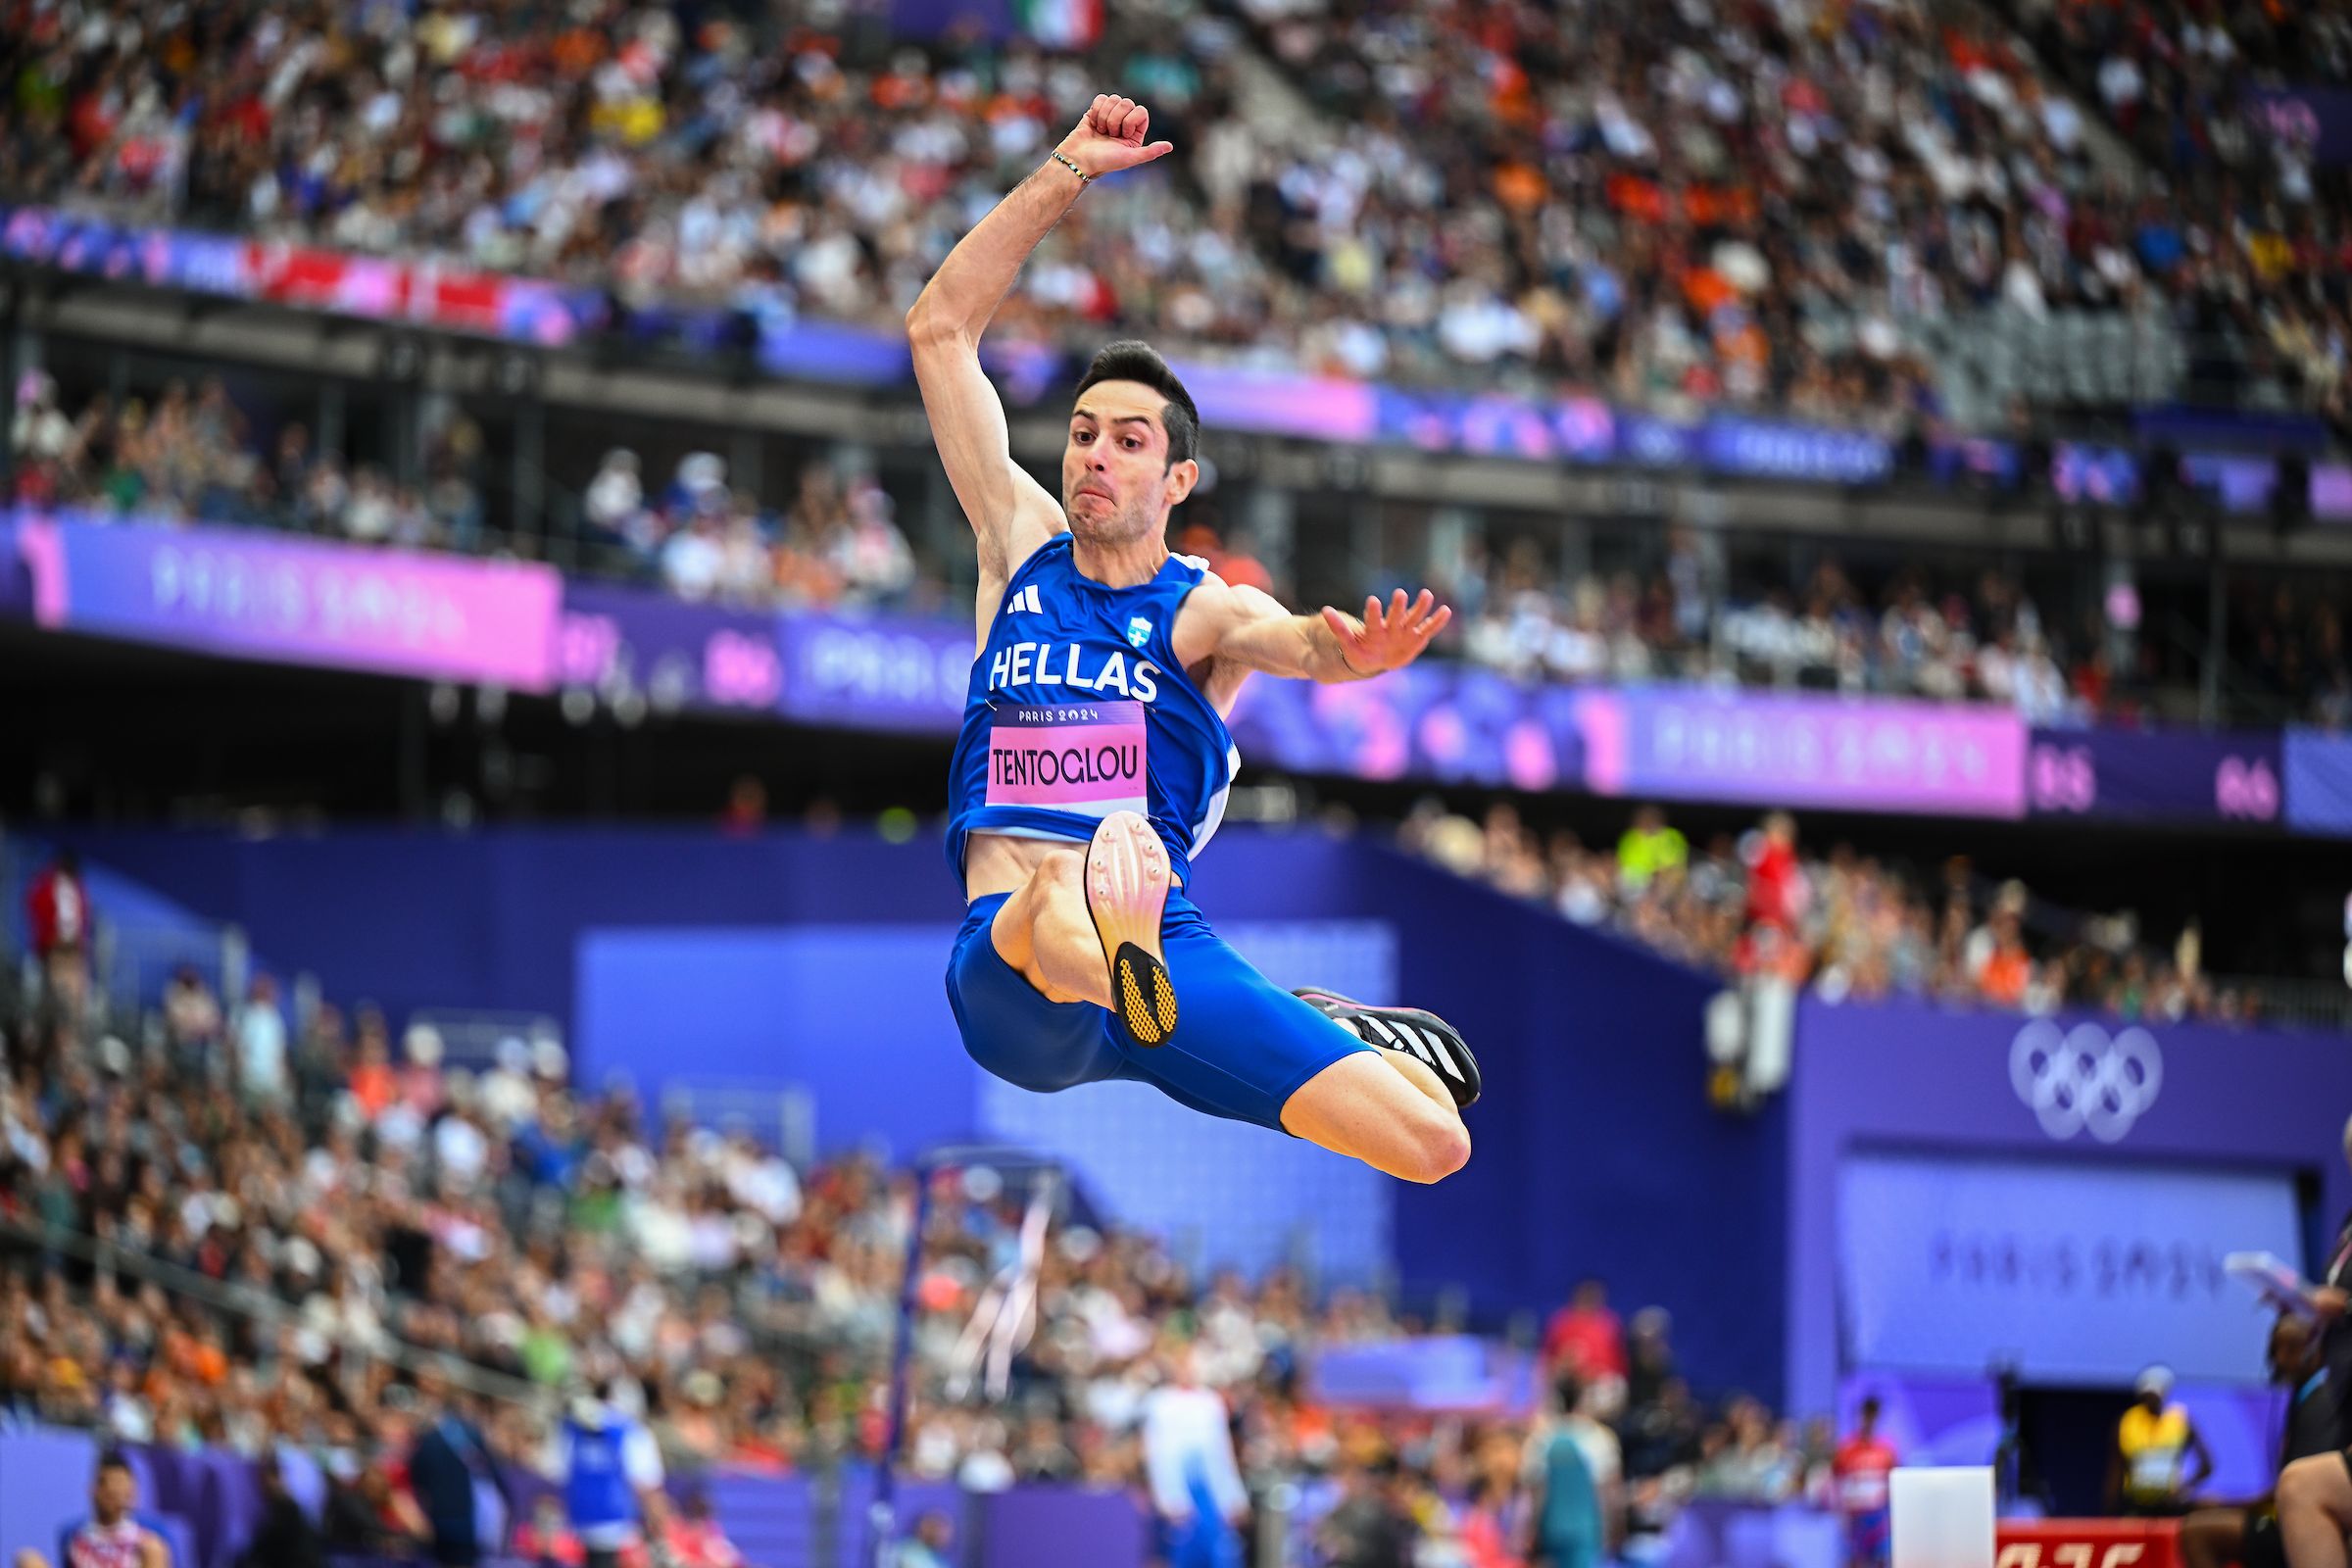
(1116, 482)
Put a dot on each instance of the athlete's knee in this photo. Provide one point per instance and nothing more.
(1437, 1145)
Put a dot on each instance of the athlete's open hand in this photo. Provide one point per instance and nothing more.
(1391, 639)
(1112, 137)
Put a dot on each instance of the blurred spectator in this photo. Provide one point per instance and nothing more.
(607, 1464)
(57, 906)
(747, 806)
(929, 1546)
(1570, 1529)
(1584, 1337)
(365, 1516)
(284, 1537)
(545, 1539)
(264, 1074)
(59, 922)
(2148, 1475)
(688, 1536)
(1648, 849)
(447, 1459)
(614, 502)
(1188, 1453)
(1373, 1526)
(191, 1019)
(1862, 1491)
(112, 1535)
(1776, 881)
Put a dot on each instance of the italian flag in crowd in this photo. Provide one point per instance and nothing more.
(1061, 23)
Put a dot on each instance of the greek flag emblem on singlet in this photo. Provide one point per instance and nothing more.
(1139, 632)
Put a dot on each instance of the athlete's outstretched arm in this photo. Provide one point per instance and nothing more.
(1250, 629)
(1010, 513)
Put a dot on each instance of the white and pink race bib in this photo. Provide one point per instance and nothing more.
(1086, 758)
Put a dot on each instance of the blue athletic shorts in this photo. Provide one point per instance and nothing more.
(1241, 1047)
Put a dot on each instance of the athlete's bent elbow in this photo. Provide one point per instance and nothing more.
(925, 327)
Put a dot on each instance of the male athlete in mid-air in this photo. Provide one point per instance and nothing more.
(1094, 762)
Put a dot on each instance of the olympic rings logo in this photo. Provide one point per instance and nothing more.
(2082, 1078)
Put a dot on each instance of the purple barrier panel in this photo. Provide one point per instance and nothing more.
(1710, 1532)
(879, 673)
(169, 1478)
(678, 655)
(490, 1521)
(1771, 450)
(2074, 1272)
(227, 1498)
(1315, 407)
(306, 1482)
(853, 1526)
(179, 1538)
(1577, 429)
(2093, 1097)
(1062, 1527)
(1436, 721)
(2332, 493)
(47, 1486)
(824, 351)
(770, 1518)
(2314, 121)
(1447, 1372)
(312, 603)
(2318, 782)
(2155, 775)
(15, 578)
(1684, 743)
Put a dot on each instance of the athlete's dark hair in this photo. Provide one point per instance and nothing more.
(1132, 359)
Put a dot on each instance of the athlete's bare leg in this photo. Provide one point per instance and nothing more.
(1385, 1109)
(1044, 931)
(1084, 926)
(2315, 1510)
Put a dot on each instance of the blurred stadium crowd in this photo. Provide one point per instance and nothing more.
(192, 452)
(1758, 203)
(1846, 924)
(1719, 201)
(508, 1222)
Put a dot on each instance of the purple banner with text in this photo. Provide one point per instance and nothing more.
(2114, 1106)
(1683, 742)
(2314, 121)
(2155, 775)
(256, 596)
(675, 655)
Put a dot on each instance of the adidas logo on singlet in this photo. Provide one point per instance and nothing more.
(1026, 600)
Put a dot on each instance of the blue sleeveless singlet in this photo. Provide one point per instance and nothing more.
(1077, 707)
